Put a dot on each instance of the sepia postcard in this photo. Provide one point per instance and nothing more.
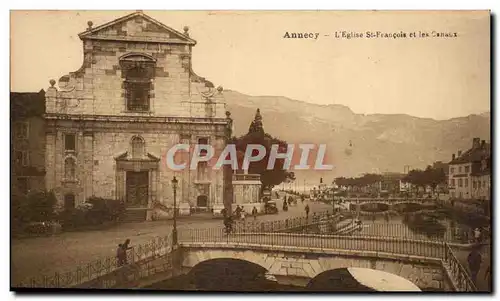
(250, 151)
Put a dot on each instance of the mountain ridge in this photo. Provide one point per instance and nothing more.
(358, 143)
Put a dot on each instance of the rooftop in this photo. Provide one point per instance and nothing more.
(477, 153)
(27, 104)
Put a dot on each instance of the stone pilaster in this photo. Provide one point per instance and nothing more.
(50, 157)
(88, 164)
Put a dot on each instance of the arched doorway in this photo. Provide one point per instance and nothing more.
(202, 201)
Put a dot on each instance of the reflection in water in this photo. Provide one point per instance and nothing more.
(411, 220)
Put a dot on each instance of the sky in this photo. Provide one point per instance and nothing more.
(437, 78)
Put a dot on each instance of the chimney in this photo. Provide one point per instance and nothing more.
(453, 157)
(475, 142)
(459, 153)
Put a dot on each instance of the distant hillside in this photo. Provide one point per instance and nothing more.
(380, 142)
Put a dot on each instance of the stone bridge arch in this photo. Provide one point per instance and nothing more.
(192, 258)
(342, 280)
(226, 274)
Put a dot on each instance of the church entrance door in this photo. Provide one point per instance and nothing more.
(137, 188)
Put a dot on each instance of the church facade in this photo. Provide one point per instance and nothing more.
(111, 123)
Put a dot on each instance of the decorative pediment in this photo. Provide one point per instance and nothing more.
(127, 157)
(137, 27)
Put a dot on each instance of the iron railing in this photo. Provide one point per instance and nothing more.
(325, 223)
(391, 200)
(157, 247)
(425, 248)
(458, 273)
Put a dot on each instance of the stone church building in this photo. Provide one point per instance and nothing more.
(111, 123)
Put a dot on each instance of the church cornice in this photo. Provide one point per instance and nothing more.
(134, 119)
(155, 40)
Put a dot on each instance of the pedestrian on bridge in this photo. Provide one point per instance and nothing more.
(254, 213)
(125, 247)
(285, 206)
(121, 256)
(228, 223)
(237, 212)
(477, 235)
(474, 259)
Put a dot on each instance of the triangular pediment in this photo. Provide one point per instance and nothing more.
(137, 27)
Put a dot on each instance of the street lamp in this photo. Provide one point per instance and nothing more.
(174, 231)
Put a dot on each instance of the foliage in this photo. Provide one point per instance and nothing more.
(95, 212)
(42, 206)
(429, 177)
(35, 207)
(256, 135)
(358, 182)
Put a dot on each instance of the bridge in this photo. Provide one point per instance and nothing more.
(389, 200)
(357, 204)
(292, 258)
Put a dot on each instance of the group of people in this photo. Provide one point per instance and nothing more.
(239, 213)
(289, 201)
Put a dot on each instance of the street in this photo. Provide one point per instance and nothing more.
(64, 252)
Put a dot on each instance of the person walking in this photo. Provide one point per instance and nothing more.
(474, 259)
(307, 210)
(238, 211)
(125, 247)
(254, 213)
(477, 235)
(487, 275)
(228, 224)
(120, 255)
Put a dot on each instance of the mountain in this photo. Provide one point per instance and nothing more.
(358, 143)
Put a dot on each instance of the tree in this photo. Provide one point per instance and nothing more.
(416, 177)
(257, 135)
(41, 206)
(434, 177)
(429, 177)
